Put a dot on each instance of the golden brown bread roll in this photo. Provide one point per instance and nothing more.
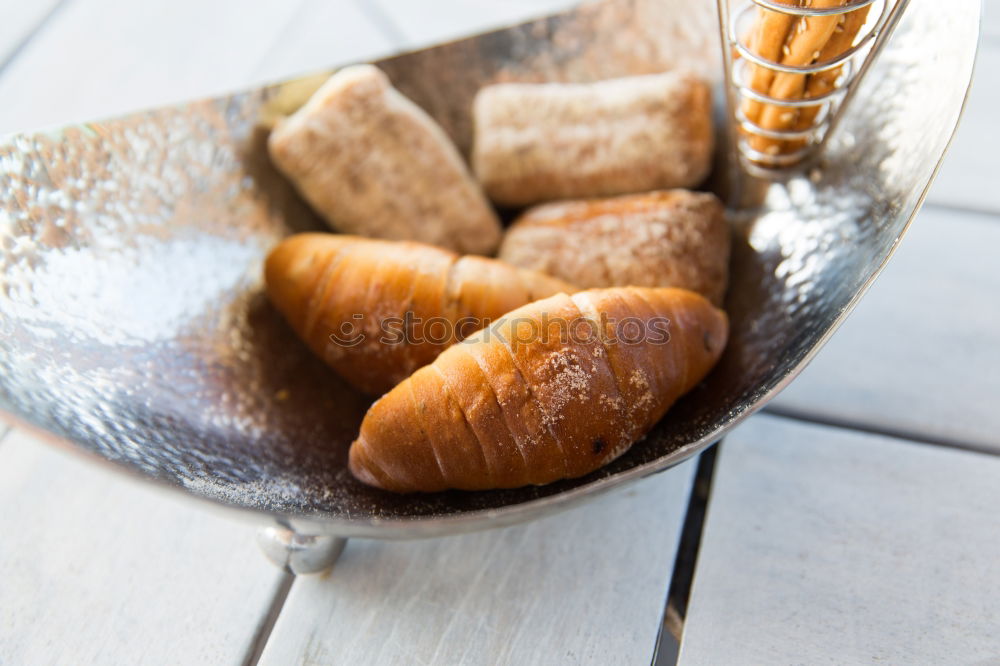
(540, 142)
(375, 164)
(673, 238)
(510, 407)
(348, 298)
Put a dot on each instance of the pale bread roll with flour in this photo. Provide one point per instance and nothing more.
(373, 163)
(541, 142)
(673, 238)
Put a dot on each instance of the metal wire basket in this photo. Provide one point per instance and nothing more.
(791, 150)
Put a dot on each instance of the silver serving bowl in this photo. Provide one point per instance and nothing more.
(134, 325)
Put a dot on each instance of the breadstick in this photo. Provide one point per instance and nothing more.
(769, 36)
(511, 407)
(823, 82)
(348, 298)
(808, 37)
(375, 164)
(672, 238)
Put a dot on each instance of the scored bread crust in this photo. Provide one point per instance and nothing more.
(509, 407)
(672, 238)
(373, 163)
(335, 285)
(548, 141)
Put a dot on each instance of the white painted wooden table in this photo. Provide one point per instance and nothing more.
(855, 522)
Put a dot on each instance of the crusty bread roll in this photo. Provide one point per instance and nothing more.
(672, 238)
(375, 164)
(511, 407)
(540, 142)
(375, 311)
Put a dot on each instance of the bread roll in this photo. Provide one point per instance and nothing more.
(375, 164)
(672, 238)
(375, 311)
(511, 407)
(540, 142)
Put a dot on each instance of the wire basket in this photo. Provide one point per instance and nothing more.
(802, 119)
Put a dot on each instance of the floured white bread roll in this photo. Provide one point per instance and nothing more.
(375, 164)
(672, 238)
(540, 142)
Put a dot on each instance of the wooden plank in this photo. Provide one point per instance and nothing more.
(968, 175)
(588, 586)
(418, 24)
(20, 20)
(96, 569)
(824, 545)
(104, 57)
(919, 355)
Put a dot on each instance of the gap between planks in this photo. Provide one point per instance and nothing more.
(675, 609)
(266, 626)
(383, 21)
(945, 207)
(30, 34)
(846, 423)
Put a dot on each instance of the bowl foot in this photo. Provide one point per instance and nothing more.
(299, 553)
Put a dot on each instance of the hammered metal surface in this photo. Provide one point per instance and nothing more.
(132, 320)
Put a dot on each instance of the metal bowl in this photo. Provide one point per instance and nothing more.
(134, 326)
